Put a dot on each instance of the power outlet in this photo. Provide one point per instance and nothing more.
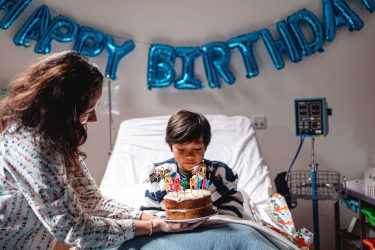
(259, 121)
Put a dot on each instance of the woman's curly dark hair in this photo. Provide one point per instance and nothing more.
(49, 98)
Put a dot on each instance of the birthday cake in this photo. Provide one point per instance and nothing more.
(188, 204)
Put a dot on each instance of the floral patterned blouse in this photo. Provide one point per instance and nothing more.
(40, 202)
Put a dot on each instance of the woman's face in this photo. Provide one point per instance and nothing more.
(90, 114)
(188, 155)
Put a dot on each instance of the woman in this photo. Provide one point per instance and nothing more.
(46, 191)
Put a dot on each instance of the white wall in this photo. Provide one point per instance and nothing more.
(343, 73)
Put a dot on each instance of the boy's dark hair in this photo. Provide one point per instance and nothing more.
(186, 126)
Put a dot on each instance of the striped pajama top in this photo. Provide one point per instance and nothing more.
(223, 186)
(41, 202)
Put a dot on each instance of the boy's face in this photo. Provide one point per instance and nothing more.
(188, 154)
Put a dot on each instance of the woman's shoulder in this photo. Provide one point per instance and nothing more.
(20, 138)
(17, 133)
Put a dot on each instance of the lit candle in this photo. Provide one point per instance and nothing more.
(184, 183)
(204, 184)
(171, 185)
(192, 184)
(177, 186)
(207, 184)
(199, 183)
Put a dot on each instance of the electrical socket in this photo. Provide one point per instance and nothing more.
(259, 121)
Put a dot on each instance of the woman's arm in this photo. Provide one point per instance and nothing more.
(94, 202)
(41, 178)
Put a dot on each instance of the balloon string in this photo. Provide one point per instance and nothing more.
(148, 43)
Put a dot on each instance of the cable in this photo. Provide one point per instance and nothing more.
(302, 138)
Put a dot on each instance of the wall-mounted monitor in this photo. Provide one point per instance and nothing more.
(311, 116)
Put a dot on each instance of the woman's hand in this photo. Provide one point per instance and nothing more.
(148, 225)
(146, 216)
(160, 225)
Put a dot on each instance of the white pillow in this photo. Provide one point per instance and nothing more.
(131, 196)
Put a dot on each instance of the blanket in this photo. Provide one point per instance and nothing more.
(219, 232)
(214, 236)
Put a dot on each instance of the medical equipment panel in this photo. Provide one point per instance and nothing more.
(311, 116)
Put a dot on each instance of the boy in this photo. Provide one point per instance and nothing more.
(188, 135)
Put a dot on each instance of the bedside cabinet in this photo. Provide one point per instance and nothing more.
(357, 200)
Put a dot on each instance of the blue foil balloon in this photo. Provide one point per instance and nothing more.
(244, 44)
(369, 5)
(62, 29)
(329, 21)
(13, 9)
(89, 42)
(287, 43)
(216, 58)
(345, 15)
(160, 72)
(115, 54)
(272, 48)
(307, 17)
(34, 28)
(188, 80)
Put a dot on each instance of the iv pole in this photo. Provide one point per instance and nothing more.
(110, 118)
(314, 193)
(312, 120)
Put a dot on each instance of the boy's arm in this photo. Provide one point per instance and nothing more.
(153, 197)
(151, 204)
(225, 196)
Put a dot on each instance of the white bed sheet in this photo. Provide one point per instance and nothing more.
(140, 142)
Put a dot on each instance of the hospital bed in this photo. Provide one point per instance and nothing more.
(140, 142)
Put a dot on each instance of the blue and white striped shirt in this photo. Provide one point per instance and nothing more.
(223, 186)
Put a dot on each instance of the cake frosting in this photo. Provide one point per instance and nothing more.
(188, 194)
(188, 204)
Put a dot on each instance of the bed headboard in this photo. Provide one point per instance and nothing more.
(140, 142)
